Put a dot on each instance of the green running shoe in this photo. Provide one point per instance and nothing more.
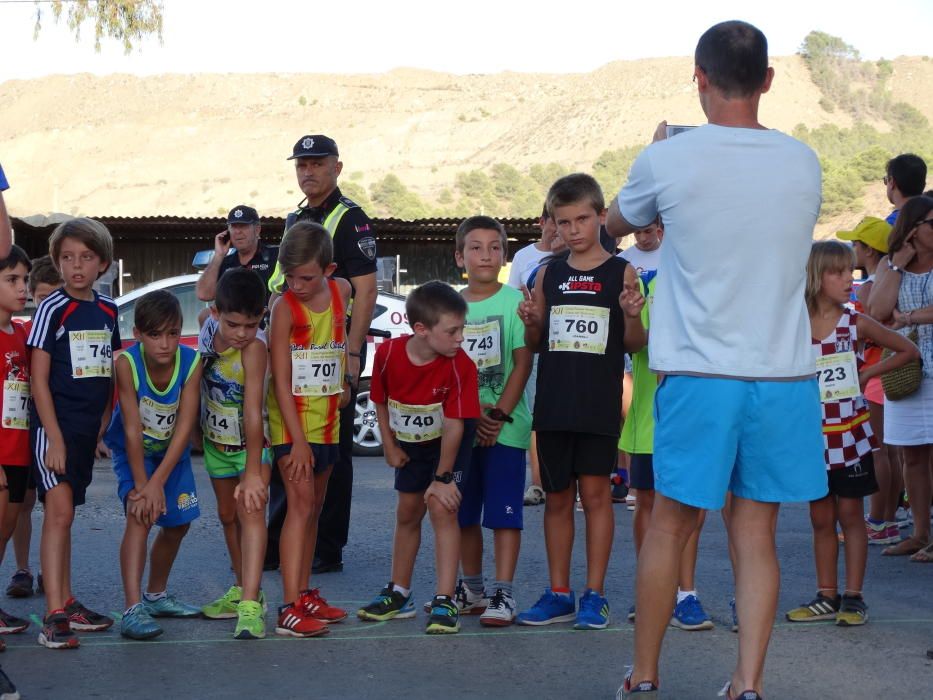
(170, 606)
(225, 607)
(250, 622)
(137, 623)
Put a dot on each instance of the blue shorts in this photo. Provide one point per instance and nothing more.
(494, 488)
(760, 440)
(79, 463)
(181, 496)
(325, 456)
(423, 457)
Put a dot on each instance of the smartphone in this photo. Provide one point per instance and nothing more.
(674, 129)
(226, 237)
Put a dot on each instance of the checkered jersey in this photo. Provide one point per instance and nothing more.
(847, 434)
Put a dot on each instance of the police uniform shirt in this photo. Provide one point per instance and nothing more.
(263, 262)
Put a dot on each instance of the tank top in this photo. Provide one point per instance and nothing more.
(581, 354)
(157, 409)
(317, 343)
(847, 434)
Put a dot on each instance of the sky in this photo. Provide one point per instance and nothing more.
(476, 36)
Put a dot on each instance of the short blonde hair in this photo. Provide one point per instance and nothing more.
(90, 232)
(825, 256)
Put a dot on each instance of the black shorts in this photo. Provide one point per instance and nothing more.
(423, 457)
(79, 464)
(17, 481)
(856, 481)
(325, 456)
(565, 455)
(641, 472)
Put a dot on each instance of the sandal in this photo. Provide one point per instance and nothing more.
(904, 548)
(923, 556)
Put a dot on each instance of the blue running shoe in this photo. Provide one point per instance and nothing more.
(550, 608)
(170, 606)
(137, 623)
(689, 615)
(593, 613)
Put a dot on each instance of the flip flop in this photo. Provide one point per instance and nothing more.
(904, 548)
(923, 556)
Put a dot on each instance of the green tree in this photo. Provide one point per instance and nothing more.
(611, 168)
(128, 21)
(393, 199)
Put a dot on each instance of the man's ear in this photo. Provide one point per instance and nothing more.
(769, 76)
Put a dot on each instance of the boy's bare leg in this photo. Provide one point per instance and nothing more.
(826, 544)
(644, 501)
(446, 547)
(293, 541)
(507, 542)
(407, 540)
(253, 538)
(688, 560)
(133, 560)
(164, 550)
(850, 512)
(55, 546)
(227, 514)
(600, 529)
(533, 458)
(559, 532)
(471, 550)
(9, 515)
(757, 579)
(22, 535)
(320, 492)
(670, 526)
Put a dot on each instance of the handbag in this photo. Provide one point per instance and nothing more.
(902, 382)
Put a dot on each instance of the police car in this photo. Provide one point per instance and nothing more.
(389, 321)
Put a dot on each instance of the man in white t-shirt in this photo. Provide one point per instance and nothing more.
(528, 258)
(729, 331)
(645, 255)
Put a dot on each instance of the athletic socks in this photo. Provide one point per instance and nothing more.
(153, 597)
(474, 583)
(681, 595)
(504, 586)
(401, 589)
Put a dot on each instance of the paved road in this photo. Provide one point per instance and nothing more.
(199, 658)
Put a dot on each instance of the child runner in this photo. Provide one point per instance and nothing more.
(14, 409)
(73, 338)
(310, 384)
(232, 389)
(425, 390)
(494, 338)
(847, 434)
(43, 280)
(149, 439)
(584, 314)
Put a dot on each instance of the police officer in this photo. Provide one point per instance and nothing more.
(238, 246)
(317, 167)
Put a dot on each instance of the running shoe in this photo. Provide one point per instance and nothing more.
(820, 608)
(619, 489)
(645, 689)
(137, 623)
(689, 615)
(630, 502)
(534, 495)
(388, 605)
(7, 689)
(500, 612)
(83, 619)
(735, 616)
(550, 608)
(903, 517)
(593, 613)
(20, 585)
(56, 632)
(852, 611)
(295, 622)
(317, 607)
(170, 606)
(445, 616)
(880, 533)
(225, 607)
(250, 622)
(468, 601)
(10, 624)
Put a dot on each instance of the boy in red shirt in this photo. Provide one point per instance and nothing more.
(427, 399)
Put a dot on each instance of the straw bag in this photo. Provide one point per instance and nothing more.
(902, 382)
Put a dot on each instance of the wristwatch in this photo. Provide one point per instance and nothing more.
(892, 266)
(444, 478)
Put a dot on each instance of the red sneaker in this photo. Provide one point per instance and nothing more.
(295, 622)
(315, 606)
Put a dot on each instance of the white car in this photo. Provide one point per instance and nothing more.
(389, 321)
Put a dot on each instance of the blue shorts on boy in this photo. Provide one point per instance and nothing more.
(181, 497)
(423, 458)
(761, 440)
(494, 488)
(79, 464)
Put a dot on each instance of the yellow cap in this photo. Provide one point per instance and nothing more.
(871, 231)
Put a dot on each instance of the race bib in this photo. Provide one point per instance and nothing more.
(579, 329)
(158, 418)
(16, 405)
(316, 372)
(415, 423)
(221, 424)
(91, 354)
(482, 343)
(838, 376)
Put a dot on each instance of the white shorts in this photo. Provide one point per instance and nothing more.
(909, 421)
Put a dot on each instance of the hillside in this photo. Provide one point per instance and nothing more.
(194, 145)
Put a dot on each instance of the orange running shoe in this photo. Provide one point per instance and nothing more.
(295, 622)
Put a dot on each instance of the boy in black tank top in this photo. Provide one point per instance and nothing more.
(585, 313)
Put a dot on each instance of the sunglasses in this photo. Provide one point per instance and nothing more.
(921, 223)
